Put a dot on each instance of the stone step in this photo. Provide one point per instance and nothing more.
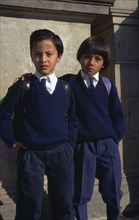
(7, 211)
(96, 207)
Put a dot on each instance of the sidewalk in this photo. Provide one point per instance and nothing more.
(7, 211)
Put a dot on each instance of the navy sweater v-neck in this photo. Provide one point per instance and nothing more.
(44, 118)
(100, 115)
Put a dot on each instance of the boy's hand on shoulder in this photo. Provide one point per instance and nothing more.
(24, 76)
(16, 147)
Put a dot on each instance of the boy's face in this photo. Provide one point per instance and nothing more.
(45, 56)
(91, 64)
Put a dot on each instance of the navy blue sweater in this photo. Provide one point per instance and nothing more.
(43, 122)
(100, 115)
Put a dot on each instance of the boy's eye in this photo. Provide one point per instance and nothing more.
(49, 54)
(87, 56)
(99, 58)
(37, 54)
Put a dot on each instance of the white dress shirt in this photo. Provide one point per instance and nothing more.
(51, 81)
(86, 79)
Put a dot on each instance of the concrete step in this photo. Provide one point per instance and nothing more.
(7, 211)
(96, 207)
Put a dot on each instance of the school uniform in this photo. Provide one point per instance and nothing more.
(100, 129)
(50, 143)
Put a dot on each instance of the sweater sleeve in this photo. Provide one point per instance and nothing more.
(116, 114)
(73, 122)
(7, 108)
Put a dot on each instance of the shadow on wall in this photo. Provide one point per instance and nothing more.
(8, 166)
(1, 217)
(10, 193)
(128, 52)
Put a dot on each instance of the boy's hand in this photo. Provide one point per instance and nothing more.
(24, 76)
(16, 147)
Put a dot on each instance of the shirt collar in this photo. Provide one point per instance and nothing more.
(52, 77)
(85, 76)
(96, 76)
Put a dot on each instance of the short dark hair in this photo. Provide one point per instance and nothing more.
(45, 34)
(95, 45)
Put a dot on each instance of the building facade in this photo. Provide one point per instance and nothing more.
(118, 22)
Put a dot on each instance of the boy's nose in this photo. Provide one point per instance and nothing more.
(43, 58)
(92, 60)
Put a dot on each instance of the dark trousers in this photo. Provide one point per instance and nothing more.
(57, 164)
(99, 159)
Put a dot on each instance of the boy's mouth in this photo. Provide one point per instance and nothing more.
(90, 69)
(44, 67)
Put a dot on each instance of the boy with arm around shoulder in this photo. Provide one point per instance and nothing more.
(46, 141)
(101, 127)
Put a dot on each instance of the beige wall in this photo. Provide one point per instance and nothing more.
(15, 60)
(121, 29)
(15, 54)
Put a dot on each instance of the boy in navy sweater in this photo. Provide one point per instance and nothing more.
(45, 141)
(101, 127)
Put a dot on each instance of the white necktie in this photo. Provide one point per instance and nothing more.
(48, 85)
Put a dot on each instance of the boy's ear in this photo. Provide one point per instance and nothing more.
(58, 59)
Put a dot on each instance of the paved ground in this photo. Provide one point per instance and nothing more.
(7, 211)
